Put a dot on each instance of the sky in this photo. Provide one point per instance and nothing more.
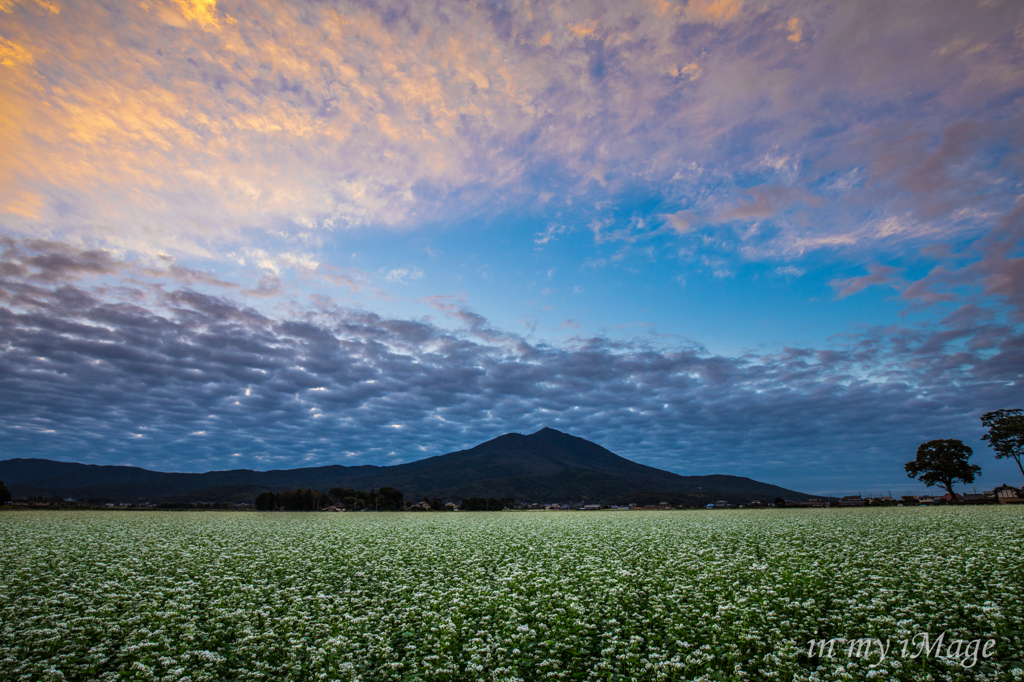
(772, 239)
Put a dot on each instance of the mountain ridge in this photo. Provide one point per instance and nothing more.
(546, 466)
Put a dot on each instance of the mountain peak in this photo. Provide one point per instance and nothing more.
(545, 466)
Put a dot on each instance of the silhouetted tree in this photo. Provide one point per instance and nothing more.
(388, 499)
(5, 494)
(349, 498)
(266, 501)
(1006, 434)
(485, 504)
(436, 504)
(302, 499)
(780, 502)
(943, 462)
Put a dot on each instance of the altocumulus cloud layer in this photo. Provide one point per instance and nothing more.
(102, 360)
(201, 202)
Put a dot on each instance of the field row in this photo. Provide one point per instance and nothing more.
(509, 596)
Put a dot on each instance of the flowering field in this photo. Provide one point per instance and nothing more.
(711, 595)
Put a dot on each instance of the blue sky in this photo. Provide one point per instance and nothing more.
(780, 240)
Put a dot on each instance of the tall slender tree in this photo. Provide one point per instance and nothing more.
(943, 462)
(1006, 434)
(266, 501)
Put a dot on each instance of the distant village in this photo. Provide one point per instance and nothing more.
(312, 500)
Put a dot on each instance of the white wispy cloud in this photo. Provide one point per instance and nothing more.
(184, 125)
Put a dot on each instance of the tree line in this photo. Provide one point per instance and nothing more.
(383, 499)
(944, 462)
(488, 504)
(303, 499)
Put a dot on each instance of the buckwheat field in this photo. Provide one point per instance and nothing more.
(690, 595)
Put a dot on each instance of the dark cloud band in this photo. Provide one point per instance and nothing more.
(173, 378)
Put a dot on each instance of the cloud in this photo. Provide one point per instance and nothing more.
(766, 201)
(877, 274)
(679, 221)
(402, 275)
(550, 233)
(7, 6)
(584, 29)
(92, 367)
(714, 10)
(179, 127)
(990, 271)
(203, 12)
(795, 28)
(13, 55)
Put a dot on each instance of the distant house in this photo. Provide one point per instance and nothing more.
(814, 502)
(722, 504)
(975, 498)
(852, 501)
(1006, 494)
(591, 507)
(756, 503)
(910, 500)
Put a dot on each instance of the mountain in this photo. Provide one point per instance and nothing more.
(547, 466)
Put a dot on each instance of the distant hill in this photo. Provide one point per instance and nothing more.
(547, 466)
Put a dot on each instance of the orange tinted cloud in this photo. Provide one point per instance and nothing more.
(584, 29)
(714, 10)
(796, 31)
(8, 6)
(150, 129)
(12, 54)
(203, 12)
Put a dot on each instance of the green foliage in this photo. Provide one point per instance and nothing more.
(266, 501)
(387, 499)
(301, 499)
(350, 499)
(5, 494)
(780, 502)
(602, 596)
(943, 462)
(1006, 434)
